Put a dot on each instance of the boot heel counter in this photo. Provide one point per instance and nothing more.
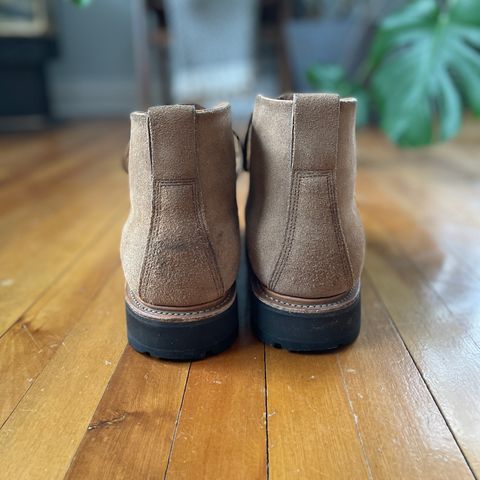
(166, 253)
(314, 261)
(179, 268)
(311, 246)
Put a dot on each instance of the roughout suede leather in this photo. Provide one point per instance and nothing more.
(304, 235)
(180, 245)
(136, 229)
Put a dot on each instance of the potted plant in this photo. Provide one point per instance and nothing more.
(422, 71)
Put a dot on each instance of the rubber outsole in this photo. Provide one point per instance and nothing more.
(183, 341)
(305, 332)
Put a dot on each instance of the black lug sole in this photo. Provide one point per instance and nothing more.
(305, 332)
(182, 341)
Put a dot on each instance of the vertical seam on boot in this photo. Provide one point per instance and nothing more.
(207, 250)
(211, 257)
(340, 237)
(155, 219)
(289, 231)
(335, 211)
(144, 270)
(291, 204)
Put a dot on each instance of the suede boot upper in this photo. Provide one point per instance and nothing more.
(180, 244)
(304, 235)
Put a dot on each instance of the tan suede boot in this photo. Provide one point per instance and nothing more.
(180, 244)
(305, 240)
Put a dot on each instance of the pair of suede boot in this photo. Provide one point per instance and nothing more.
(180, 246)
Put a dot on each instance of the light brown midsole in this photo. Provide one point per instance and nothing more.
(180, 314)
(304, 305)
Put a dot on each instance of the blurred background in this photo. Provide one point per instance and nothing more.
(414, 66)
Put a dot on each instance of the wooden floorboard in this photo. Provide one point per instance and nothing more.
(402, 432)
(222, 429)
(42, 434)
(444, 346)
(76, 402)
(311, 428)
(48, 235)
(432, 291)
(27, 347)
(131, 432)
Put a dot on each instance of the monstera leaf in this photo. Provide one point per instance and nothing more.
(332, 78)
(426, 67)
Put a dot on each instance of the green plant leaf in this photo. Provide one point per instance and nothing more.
(332, 78)
(467, 74)
(414, 14)
(466, 12)
(449, 107)
(425, 64)
(326, 76)
(81, 3)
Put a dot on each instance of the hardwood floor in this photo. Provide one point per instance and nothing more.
(77, 402)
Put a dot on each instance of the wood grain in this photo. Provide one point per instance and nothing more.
(20, 158)
(221, 432)
(441, 346)
(402, 432)
(28, 346)
(62, 177)
(42, 434)
(312, 431)
(51, 241)
(132, 429)
(429, 287)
